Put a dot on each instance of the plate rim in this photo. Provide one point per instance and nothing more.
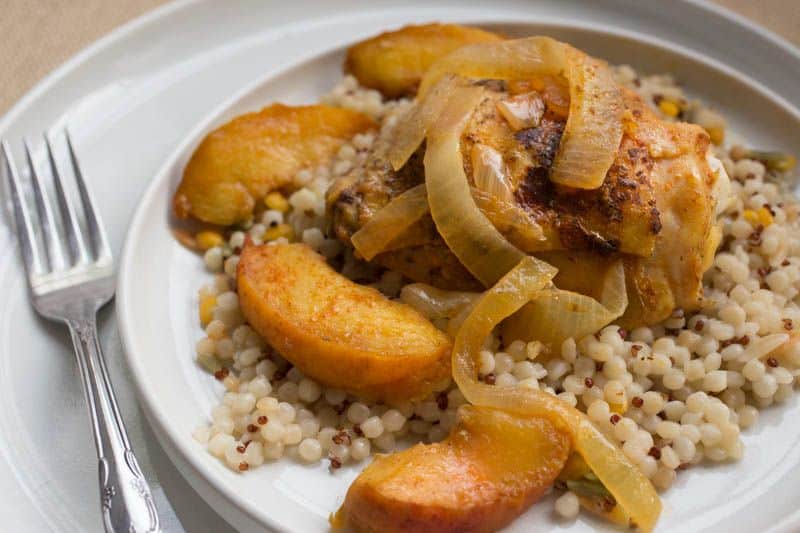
(125, 280)
(81, 56)
(740, 20)
(16, 115)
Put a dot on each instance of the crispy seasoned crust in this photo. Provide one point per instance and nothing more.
(619, 216)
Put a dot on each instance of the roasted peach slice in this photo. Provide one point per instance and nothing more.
(491, 467)
(394, 62)
(340, 333)
(240, 162)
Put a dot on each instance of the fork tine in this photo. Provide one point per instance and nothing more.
(22, 218)
(96, 232)
(77, 248)
(51, 239)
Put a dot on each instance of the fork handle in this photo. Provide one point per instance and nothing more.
(126, 502)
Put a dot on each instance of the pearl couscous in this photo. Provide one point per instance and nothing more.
(672, 395)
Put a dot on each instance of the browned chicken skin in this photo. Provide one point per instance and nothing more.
(656, 208)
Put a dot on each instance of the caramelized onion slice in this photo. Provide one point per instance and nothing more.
(593, 131)
(594, 125)
(462, 225)
(396, 217)
(435, 303)
(511, 220)
(415, 123)
(630, 488)
(490, 174)
(556, 315)
(390, 222)
(522, 110)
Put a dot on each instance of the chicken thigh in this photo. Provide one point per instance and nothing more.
(656, 208)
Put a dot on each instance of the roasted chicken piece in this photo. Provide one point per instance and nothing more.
(656, 207)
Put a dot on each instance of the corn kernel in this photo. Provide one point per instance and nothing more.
(276, 201)
(751, 216)
(618, 408)
(207, 305)
(764, 217)
(716, 133)
(276, 232)
(669, 108)
(209, 239)
(782, 164)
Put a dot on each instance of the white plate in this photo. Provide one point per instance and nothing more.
(133, 96)
(159, 279)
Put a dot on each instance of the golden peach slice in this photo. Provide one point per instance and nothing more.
(491, 467)
(237, 164)
(340, 333)
(394, 62)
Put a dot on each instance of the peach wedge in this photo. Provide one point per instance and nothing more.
(237, 164)
(340, 333)
(491, 467)
(394, 62)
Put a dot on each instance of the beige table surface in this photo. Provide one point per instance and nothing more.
(38, 35)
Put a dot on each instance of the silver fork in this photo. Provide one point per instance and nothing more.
(69, 282)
